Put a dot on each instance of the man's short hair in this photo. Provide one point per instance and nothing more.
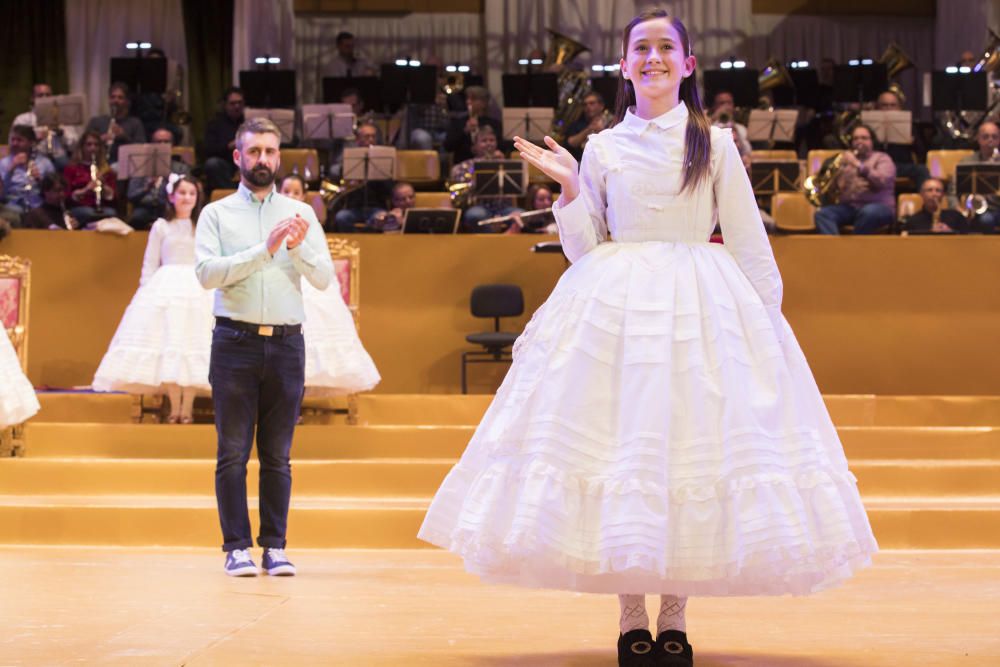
(932, 178)
(400, 185)
(867, 128)
(722, 91)
(341, 36)
(119, 85)
(594, 93)
(256, 126)
(985, 123)
(25, 132)
(230, 91)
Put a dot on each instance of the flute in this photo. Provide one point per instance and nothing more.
(505, 218)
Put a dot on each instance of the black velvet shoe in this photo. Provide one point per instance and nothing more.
(672, 650)
(635, 649)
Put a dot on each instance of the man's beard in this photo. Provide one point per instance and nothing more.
(259, 176)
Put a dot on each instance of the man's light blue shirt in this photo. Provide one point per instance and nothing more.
(232, 257)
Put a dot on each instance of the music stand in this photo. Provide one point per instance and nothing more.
(891, 127)
(408, 85)
(60, 110)
(804, 91)
(368, 87)
(499, 178)
(768, 177)
(959, 92)
(283, 118)
(431, 220)
(327, 121)
(859, 83)
(742, 83)
(268, 89)
(772, 126)
(531, 123)
(143, 161)
(977, 179)
(531, 90)
(143, 75)
(374, 163)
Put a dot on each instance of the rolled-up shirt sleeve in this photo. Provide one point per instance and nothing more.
(311, 258)
(742, 228)
(214, 270)
(582, 222)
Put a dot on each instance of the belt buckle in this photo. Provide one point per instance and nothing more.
(265, 330)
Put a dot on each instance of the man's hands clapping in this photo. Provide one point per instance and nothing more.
(291, 230)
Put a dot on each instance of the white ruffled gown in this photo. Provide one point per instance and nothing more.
(165, 336)
(659, 430)
(18, 400)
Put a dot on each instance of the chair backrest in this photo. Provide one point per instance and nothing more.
(816, 158)
(315, 199)
(299, 160)
(15, 282)
(942, 164)
(185, 153)
(496, 301)
(773, 154)
(219, 193)
(418, 166)
(792, 212)
(346, 256)
(432, 200)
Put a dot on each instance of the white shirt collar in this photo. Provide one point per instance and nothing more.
(664, 121)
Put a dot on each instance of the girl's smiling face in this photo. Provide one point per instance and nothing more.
(292, 187)
(656, 60)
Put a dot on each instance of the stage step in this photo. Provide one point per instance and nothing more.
(447, 441)
(340, 522)
(392, 477)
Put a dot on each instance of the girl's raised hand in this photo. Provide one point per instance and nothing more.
(555, 161)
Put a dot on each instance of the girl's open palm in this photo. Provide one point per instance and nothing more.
(558, 163)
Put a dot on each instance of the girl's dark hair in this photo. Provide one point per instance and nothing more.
(102, 155)
(199, 202)
(698, 137)
(532, 192)
(294, 177)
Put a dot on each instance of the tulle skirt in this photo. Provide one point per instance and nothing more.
(653, 435)
(336, 361)
(18, 401)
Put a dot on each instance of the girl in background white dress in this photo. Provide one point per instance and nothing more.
(659, 430)
(164, 340)
(18, 401)
(336, 361)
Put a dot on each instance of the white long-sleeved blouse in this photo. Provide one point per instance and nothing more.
(630, 182)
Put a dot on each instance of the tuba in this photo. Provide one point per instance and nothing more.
(963, 125)
(821, 188)
(772, 76)
(573, 86)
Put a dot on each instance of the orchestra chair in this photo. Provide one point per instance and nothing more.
(792, 212)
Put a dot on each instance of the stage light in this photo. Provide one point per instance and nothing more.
(964, 69)
(726, 64)
(951, 69)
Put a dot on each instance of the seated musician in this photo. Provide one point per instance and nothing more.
(987, 152)
(361, 201)
(462, 131)
(403, 197)
(902, 154)
(595, 117)
(484, 148)
(933, 217)
(866, 182)
(722, 110)
(539, 201)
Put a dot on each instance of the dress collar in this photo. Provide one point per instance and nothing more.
(664, 121)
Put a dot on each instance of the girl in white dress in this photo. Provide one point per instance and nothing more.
(659, 430)
(18, 401)
(336, 361)
(164, 340)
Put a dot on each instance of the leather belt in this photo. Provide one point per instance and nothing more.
(268, 330)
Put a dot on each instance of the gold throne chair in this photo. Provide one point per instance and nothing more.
(15, 283)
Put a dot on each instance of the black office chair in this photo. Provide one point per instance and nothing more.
(494, 301)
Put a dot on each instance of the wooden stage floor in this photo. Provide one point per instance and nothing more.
(375, 608)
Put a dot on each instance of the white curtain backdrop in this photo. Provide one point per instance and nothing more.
(447, 37)
(97, 30)
(262, 27)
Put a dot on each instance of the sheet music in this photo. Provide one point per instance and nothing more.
(60, 110)
(777, 125)
(283, 118)
(531, 123)
(891, 127)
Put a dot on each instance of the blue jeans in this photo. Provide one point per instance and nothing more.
(869, 219)
(987, 222)
(88, 214)
(346, 220)
(257, 382)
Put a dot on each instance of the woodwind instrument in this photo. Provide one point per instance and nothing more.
(524, 215)
(29, 183)
(95, 176)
